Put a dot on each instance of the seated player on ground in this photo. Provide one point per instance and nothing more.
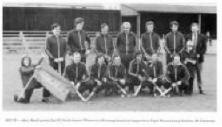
(137, 73)
(98, 75)
(155, 71)
(117, 74)
(29, 83)
(76, 73)
(190, 60)
(177, 76)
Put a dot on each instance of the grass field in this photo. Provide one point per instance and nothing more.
(12, 84)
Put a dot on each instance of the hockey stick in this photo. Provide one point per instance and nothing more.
(138, 89)
(77, 91)
(121, 89)
(92, 93)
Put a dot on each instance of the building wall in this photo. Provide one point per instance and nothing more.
(162, 21)
(38, 18)
(209, 23)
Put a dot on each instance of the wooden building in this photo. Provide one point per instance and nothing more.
(40, 17)
(162, 14)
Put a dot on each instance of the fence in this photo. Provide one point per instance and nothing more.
(33, 41)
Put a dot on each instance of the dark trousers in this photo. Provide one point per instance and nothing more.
(83, 55)
(30, 88)
(126, 59)
(83, 58)
(168, 58)
(151, 86)
(109, 86)
(181, 88)
(190, 86)
(133, 81)
(86, 86)
(55, 66)
(199, 79)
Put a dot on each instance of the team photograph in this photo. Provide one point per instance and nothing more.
(100, 57)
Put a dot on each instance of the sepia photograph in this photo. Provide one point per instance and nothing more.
(133, 57)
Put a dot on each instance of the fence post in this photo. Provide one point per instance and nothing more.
(23, 42)
(47, 34)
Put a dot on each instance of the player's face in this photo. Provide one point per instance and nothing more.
(79, 26)
(105, 30)
(154, 57)
(26, 62)
(189, 46)
(139, 57)
(176, 60)
(76, 58)
(101, 60)
(149, 28)
(126, 28)
(56, 31)
(194, 28)
(174, 28)
(117, 61)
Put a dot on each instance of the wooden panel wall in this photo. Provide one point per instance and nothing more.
(36, 18)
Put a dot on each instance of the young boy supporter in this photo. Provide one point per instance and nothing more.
(29, 84)
(190, 60)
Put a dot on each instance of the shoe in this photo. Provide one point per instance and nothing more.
(20, 100)
(201, 92)
(45, 99)
(16, 98)
(189, 93)
(168, 95)
(181, 93)
(107, 93)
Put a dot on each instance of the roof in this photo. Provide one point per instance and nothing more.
(52, 5)
(127, 9)
(133, 9)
